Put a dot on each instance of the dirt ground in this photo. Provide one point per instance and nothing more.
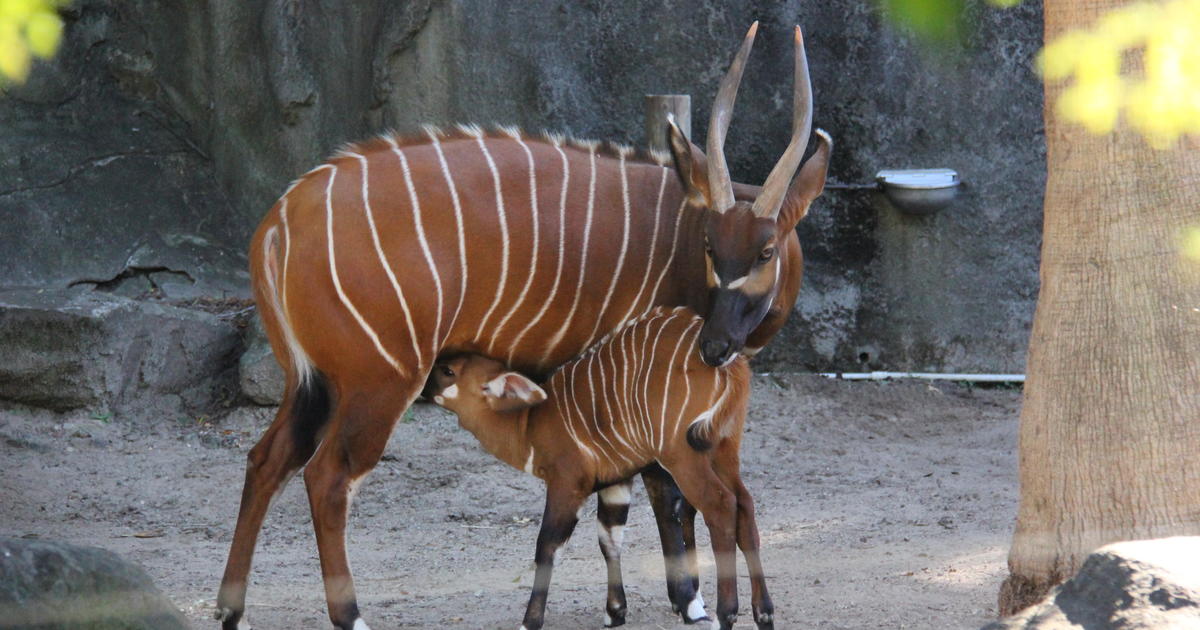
(881, 505)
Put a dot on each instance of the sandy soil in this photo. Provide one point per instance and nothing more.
(882, 505)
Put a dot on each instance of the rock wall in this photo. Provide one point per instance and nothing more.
(165, 130)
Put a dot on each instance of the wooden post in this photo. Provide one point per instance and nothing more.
(657, 108)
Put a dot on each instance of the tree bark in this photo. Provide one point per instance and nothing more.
(1109, 445)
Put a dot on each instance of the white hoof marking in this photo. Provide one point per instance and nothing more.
(359, 624)
(695, 610)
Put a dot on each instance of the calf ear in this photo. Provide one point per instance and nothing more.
(808, 184)
(512, 391)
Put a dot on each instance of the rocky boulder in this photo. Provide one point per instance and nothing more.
(56, 586)
(1129, 585)
(66, 349)
(259, 373)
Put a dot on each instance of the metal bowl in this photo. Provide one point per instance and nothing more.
(919, 191)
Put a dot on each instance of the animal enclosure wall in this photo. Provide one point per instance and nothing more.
(164, 131)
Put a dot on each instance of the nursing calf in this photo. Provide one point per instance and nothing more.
(641, 396)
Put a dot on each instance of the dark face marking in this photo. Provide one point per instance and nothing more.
(742, 260)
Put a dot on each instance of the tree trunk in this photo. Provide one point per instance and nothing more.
(1109, 444)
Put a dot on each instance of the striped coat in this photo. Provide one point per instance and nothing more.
(529, 270)
(641, 396)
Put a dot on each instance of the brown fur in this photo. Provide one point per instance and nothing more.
(588, 429)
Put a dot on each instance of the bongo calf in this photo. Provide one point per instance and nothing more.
(639, 396)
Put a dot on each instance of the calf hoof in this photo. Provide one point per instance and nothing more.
(695, 611)
(228, 617)
(614, 618)
(724, 622)
(765, 620)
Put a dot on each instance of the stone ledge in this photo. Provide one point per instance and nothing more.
(67, 349)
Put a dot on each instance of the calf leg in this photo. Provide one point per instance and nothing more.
(691, 567)
(760, 599)
(612, 510)
(704, 489)
(726, 464)
(558, 521)
(676, 535)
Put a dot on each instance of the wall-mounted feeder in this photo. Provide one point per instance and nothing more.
(919, 191)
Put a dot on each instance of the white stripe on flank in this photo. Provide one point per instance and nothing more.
(562, 220)
(668, 377)
(662, 185)
(587, 232)
(612, 286)
(300, 361)
(644, 377)
(643, 373)
(287, 250)
(533, 264)
(436, 341)
(674, 245)
(503, 237)
(458, 218)
(627, 414)
(592, 391)
(568, 401)
(614, 419)
(598, 435)
(387, 267)
(337, 283)
(687, 382)
(651, 373)
(648, 370)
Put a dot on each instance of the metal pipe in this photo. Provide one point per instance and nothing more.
(931, 376)
(840, 186)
